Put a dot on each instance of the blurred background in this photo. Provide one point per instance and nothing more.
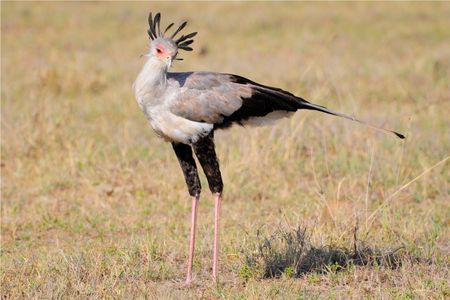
(94, 204)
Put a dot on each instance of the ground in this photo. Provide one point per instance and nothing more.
(94, 204)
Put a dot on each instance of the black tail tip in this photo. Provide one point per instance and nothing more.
(399, 135)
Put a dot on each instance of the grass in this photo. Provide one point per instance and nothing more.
(289, 252)
(94, 204)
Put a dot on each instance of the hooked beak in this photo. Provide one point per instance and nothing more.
(168, 61)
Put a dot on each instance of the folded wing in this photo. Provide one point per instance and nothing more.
(224, 99)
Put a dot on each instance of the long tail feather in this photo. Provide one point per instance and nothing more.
(311, 106)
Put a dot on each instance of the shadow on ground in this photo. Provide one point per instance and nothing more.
(290, 252)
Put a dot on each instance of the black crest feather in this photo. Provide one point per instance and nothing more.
(168, 27)
(185, 37)
(158, 22)
(179, 29)
(154, 32)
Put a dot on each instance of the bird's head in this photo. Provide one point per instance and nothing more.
(164, 49)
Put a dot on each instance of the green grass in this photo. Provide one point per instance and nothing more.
(94, 204)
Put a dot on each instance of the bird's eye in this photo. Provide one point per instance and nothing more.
(158, 50)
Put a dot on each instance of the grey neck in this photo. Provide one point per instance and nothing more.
(152, 78)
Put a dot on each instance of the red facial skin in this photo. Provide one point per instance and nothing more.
(161, 52)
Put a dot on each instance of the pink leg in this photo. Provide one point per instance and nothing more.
(192, 239)
(218, 199)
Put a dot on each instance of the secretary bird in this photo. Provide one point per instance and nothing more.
(185, 108)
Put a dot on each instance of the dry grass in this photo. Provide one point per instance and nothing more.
(289, 252)
(94, 205)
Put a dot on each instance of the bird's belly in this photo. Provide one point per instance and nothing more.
(177, 129)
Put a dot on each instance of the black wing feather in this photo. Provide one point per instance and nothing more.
(266, 99)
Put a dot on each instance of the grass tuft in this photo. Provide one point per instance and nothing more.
(290, 252)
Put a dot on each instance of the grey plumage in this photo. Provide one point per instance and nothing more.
(214, 98)
(223, 99)
(185, 109)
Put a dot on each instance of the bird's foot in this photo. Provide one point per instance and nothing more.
(188, 281)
